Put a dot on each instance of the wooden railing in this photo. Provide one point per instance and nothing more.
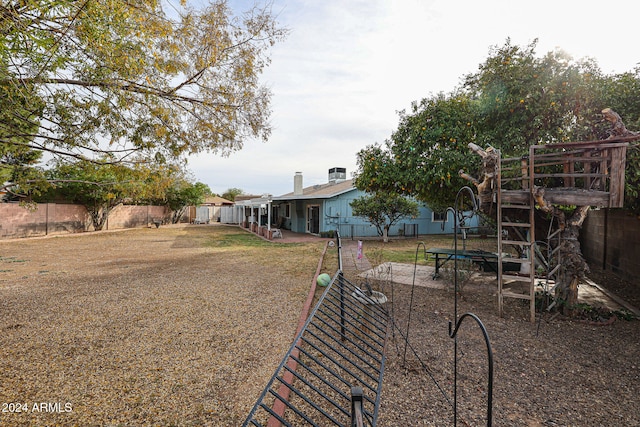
(575, 173)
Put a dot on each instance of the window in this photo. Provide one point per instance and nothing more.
(439, 216)
(287, 210)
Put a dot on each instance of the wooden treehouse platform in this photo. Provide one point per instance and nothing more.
(577, 173)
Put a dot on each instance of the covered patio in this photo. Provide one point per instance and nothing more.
(258, 217)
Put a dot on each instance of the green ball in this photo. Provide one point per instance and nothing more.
(323, 279)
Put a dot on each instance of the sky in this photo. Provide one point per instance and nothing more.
(348, 66)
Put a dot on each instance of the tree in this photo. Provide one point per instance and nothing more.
(102, 187)
(620, 94)
(98, 187)
(18, 163)
(424, 153)
(232, 193)
(521, 99)
(383, 210)
(160, 79)
(184, 194)
(515, 99)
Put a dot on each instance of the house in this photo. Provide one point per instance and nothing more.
(320, 209)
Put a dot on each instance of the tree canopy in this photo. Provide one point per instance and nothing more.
(184, 194)
(232, 193)
(156, 78)
(515, 99)
(102, 187)
(384, 209)
(99, 188)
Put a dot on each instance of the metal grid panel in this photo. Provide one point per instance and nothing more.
(340, 349)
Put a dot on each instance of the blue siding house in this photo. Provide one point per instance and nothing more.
(319, 209)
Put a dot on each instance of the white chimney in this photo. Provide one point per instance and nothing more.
(297, 184)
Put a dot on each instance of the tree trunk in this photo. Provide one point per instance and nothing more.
(177, 214)
(385, 234)
(99, 215)
(98, 218)
(487, 186)
(573, 266)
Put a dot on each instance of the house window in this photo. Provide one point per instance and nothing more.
(287, 210)
(439, 216)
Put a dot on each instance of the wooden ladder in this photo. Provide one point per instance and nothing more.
(516, 230)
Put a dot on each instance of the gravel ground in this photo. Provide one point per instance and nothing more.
(170, 326)
(556, 372)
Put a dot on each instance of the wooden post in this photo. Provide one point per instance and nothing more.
(524, 168)
(616, 179)
(569, 168)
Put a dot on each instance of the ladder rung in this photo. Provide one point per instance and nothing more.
(516, 224)
(517, 242)
(515, 295)
(515, 206)
(517, 260)
(515, 278)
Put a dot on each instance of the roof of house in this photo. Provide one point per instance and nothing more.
(321, 191)
(217, 201)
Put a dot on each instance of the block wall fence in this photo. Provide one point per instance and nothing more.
(53, 218)
(610, 241)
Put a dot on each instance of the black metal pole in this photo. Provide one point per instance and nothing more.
(341, 284)
(455, 291)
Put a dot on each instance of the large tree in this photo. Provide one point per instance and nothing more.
(424, 154)
(232, 193)
(160, 78)
(514, 100)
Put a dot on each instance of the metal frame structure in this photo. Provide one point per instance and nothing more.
(332, 373)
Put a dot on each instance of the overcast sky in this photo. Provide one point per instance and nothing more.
(348, 66)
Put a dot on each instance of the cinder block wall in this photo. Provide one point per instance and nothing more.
(17, 220)
(611, 241)
(41, 219)
(130, 216)
(51, 218)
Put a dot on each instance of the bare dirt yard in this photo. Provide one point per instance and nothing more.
(169, 326)
(185, 325)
